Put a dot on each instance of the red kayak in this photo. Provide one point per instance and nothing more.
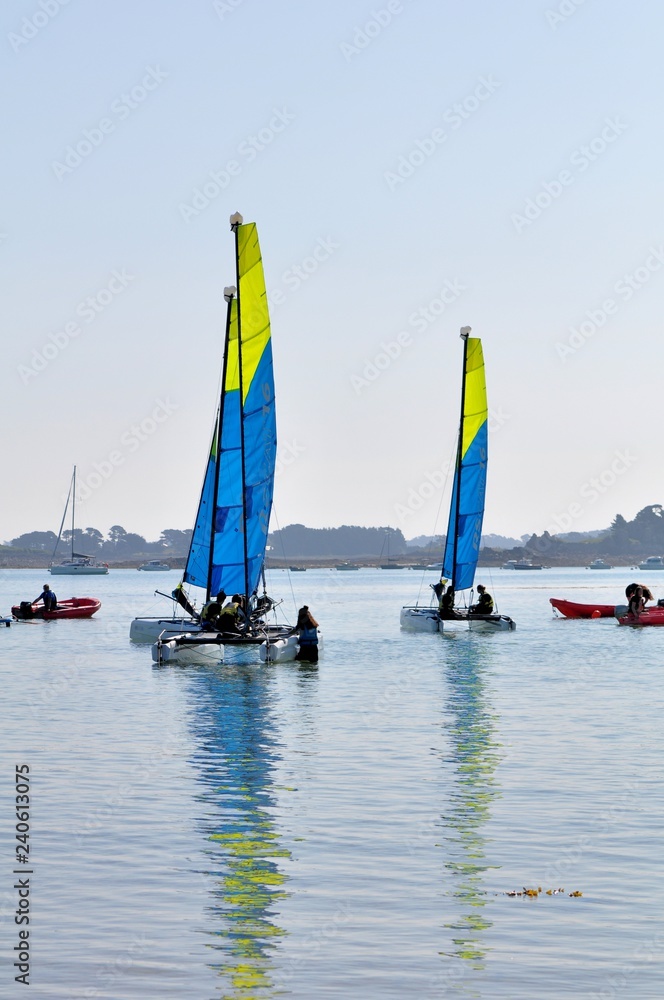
(74, 607)
(649, 616)
(571, 610)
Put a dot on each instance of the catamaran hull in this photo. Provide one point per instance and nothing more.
(420, 620)
(185, 650)
(428, 620)
(284, 650)
(491, 623)
(149, 629)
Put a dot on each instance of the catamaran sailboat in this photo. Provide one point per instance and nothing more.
(77, 564)
(227, 551)
(464, 530)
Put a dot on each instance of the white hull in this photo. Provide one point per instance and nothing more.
(420, 620)
(149, 629)
(78, 570)
(493, 623)
(279, 651)
(171, 651)
(284, 650)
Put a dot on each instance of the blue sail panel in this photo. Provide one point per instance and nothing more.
(472, 474)
(468, 493)
(198, 560)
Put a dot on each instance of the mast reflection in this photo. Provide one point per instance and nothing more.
(233, 723)
(475, 755)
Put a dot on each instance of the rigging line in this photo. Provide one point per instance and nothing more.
(443, 495)
(64, 514)
(283, 552)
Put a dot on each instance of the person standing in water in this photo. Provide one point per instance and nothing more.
(307, 629)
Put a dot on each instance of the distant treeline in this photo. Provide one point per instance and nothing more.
(349, 541)
(623, 540)
(119, 544)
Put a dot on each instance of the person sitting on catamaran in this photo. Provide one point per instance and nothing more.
(231, 615)
(484, 604)
(212, 610)
(446, 604)
(48, 597)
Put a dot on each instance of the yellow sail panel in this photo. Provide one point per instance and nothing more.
(254, 315)
(232, 361)
(475, 411)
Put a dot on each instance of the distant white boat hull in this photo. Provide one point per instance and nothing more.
(76, 569)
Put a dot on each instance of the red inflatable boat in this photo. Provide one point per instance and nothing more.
(74, 607)
(571, 610)
(649, 616)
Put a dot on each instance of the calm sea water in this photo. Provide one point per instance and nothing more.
(347, 831)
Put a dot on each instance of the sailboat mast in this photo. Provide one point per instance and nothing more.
(73, 504)
(229, 294)
(465, 333)
(236, 222)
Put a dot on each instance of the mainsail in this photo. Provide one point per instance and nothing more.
(230, 533)
(464, 530)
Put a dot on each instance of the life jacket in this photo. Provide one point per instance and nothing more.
(230, 609)
(210, 611)
(308, 636)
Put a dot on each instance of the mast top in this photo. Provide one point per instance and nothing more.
(465, 332)
(230, 292)
(236, 220)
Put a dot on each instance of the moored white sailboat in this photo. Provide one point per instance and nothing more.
(227, 551)
(77, 564)
(464, 532)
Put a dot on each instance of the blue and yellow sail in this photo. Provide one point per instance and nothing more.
(464, 530)
(230, 534)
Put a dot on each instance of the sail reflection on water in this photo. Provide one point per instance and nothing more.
(236, 762)
(474, 755)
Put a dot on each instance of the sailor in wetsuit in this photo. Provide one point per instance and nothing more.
(484, 604)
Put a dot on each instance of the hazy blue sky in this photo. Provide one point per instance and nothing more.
(413, 167)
